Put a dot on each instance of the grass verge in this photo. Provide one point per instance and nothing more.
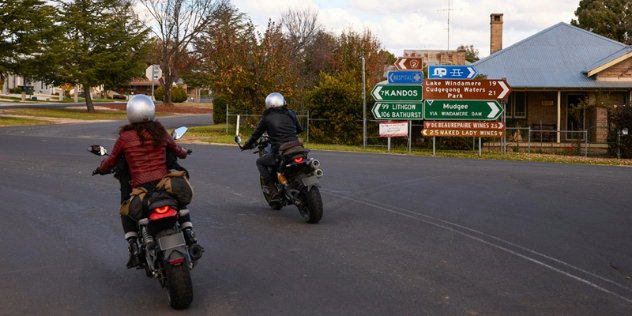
(10, 121)
(216, 134)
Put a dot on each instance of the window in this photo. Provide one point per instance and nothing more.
(517, 105)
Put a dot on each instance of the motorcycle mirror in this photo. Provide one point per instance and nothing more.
(179, 132)
(98, 150)
(237, 139)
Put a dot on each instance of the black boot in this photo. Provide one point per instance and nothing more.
(133, 253)
(195, 250)
(189, 236)
(274, 194)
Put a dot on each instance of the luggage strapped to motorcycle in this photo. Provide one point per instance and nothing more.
(288, 150)
(174, 189)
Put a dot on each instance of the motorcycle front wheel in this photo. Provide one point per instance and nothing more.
(312, 209)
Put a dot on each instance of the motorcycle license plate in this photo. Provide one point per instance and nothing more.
(171, 241)
(310, 181)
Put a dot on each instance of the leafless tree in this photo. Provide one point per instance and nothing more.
(301, 27)
(177, 24)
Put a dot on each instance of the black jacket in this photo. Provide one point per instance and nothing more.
(282, 126)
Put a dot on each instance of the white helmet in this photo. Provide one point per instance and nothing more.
(274, 100)
(140, 108)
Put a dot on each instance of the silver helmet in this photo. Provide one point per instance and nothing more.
(140, 108)
(274, 100)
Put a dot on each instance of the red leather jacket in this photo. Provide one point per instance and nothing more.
(146, 162)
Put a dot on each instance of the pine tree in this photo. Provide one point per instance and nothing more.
(609, 18)
(105, 44)
(27, 35)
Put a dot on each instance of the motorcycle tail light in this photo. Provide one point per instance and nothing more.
(162, 212)
(176, 261)
(299, 160)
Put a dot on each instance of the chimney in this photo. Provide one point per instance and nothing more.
(496, 42)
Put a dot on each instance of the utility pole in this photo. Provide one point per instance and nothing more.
(363, 103)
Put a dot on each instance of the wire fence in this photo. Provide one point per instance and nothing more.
(516, 139)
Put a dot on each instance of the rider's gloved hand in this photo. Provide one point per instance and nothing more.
(97, 170)
(189, 151)
(247, 146)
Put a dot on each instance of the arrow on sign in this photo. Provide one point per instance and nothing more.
(495, 109)
(376, 93)
(376, 110)
(506, 90)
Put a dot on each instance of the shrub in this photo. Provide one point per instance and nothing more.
(178, 94)
(338, 101)
(15, 90)
(219, 109)
(159, 94)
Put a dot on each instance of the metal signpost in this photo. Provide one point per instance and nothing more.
(462, 110)
(451, 72)
(448, 89)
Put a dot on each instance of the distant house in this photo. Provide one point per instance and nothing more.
(557, 68)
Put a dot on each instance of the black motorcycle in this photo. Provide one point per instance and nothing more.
(296, 178)
(162, 245)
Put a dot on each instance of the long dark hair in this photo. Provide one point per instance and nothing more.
(155, 129)
(272, 109)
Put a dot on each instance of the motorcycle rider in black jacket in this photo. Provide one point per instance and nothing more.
(282, 126)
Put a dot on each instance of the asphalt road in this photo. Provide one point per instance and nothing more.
(400, 235)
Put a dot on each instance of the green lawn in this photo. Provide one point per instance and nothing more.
(8, 121)
(216, 134)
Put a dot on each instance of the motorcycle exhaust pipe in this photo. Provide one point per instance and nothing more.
(196, 252)
(319, 173)
(314, 164)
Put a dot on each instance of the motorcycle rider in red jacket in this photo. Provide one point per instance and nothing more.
(143, 144)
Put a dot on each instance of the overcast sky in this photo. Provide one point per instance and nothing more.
(423, 24)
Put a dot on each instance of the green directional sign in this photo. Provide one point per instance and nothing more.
(397, 92)
(478, 110)
(398, 110)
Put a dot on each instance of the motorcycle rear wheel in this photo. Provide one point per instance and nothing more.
(178, 283)
(312, 212)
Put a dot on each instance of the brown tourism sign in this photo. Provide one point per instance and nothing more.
(464, 125)
(409, 63)
(463, 89)
(463, 133)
